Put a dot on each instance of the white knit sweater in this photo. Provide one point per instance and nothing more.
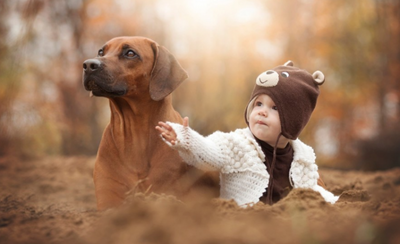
(240, 161)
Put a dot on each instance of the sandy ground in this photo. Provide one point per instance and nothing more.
(52, 200)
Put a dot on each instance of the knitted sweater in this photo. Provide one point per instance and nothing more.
(240, 161)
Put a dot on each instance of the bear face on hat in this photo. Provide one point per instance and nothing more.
(294, 91)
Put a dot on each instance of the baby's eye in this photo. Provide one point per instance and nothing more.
(258, 103)
(275, 108)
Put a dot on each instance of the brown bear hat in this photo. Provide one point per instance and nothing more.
(294, 91)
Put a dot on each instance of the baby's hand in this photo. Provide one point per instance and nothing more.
(168, 133)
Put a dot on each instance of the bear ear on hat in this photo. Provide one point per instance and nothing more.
(319, 77)
(288, 63)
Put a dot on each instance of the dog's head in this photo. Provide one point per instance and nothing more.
(132, 66)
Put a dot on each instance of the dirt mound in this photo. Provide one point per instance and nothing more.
(52, 201)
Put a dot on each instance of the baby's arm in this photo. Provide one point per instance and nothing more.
(201, 152)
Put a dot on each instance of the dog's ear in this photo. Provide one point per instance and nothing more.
(166, 75)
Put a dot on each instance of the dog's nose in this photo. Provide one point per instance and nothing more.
(91, 65)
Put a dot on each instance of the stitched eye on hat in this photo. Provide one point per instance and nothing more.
(285, 74)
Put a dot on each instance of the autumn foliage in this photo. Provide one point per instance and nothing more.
(223, 45)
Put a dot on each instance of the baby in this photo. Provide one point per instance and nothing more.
(264, 161)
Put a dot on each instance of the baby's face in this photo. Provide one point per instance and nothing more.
(264, 121)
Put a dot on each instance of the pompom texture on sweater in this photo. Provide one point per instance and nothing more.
(240, 161)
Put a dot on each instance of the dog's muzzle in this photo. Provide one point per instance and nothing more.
(98, 81)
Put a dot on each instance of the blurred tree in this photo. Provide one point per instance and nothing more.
(9, 85)
(54, 30)
(381, 151)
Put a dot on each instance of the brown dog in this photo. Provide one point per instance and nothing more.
(137, 76)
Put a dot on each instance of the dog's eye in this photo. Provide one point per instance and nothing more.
(285, 74)
(130, 54)
(100, 52)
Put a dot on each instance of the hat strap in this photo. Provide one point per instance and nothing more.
(271, 170)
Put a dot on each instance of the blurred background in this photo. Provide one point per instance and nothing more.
(223, 45)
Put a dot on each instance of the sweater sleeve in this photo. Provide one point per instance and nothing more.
(202, 152)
